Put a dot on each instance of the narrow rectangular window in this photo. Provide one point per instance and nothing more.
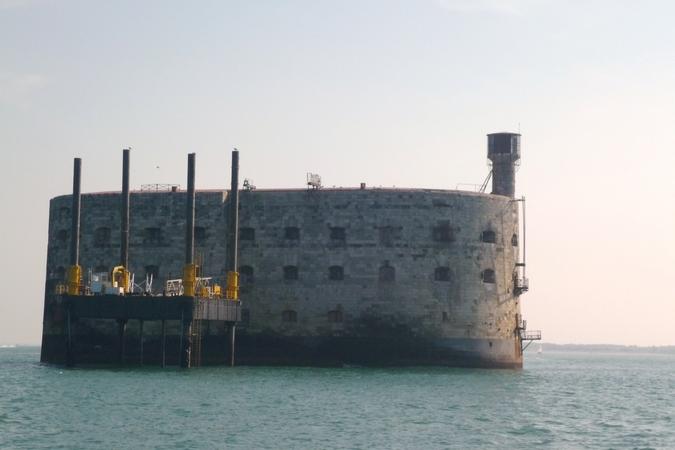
(442, 274)
(102, 237)
(152, 236)
(336, 273)
(443, 232)
(200, 236)
(488, 236)
(289, 316)
(335, 316)
(337, 234)
(290, 272)
(292, 233)
(387, 274)
(247, 234)
(488, 276)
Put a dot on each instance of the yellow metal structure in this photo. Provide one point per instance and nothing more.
(189, 279)
(74, 275)
(204, 292)
(121, 276)
(232, 288)
(217, 291)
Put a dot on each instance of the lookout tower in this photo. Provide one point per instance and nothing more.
(504, 152)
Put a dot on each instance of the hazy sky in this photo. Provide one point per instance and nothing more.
(387, 92)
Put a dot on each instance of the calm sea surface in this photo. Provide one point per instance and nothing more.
(559, 400)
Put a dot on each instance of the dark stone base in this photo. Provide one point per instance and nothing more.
(102, 349)
(381, 352)
(96, 341)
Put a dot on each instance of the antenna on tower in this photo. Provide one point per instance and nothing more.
(313, 181)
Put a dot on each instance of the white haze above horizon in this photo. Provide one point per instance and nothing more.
(391, 93)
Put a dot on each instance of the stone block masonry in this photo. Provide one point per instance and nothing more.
(331, 276)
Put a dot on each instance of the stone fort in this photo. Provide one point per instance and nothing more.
(363, 275)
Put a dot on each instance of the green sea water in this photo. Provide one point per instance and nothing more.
(559, 400)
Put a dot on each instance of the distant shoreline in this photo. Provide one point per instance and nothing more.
(604, 348)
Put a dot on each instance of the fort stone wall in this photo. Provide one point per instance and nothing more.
(157, 234)
(429, 266)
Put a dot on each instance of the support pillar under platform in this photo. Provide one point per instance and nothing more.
(140, 343)
(163, 345)
(70, 359)
(186, 343)
(122, 328)
(231, 332)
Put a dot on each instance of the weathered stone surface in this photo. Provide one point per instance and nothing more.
(413, 268)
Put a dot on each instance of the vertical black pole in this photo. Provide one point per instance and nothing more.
(140, 335)
(180, 340)
(233, 233)
(231, 332)
(186, 339)
(190, 212)
(69, 340)
(122, 347)
(187, 344)
(75, 225)
(233, 216)
(524, 242)
(163, 343)
(186, 324)
(124, 250)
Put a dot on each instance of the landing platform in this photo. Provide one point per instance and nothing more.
(137, 329)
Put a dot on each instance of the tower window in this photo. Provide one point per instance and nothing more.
(488, 276)
(247, 234)
(289, 316)
(445, 317)
(388, 234)
(337, 234)
(62, 235)
(335, 316)
(64, 212)
(152, 236)
(387, 274)
(514, 240)
(290, 272)
(200, 235)
(443, 232)
(336, 273)
(292, 233)
(442, 274)
(488, 236)
(246, 275)
(102, 237)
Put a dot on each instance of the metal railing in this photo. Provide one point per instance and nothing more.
(522, 285)
(530, 335)
(160, 187)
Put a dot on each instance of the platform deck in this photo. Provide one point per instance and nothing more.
(150, 307)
